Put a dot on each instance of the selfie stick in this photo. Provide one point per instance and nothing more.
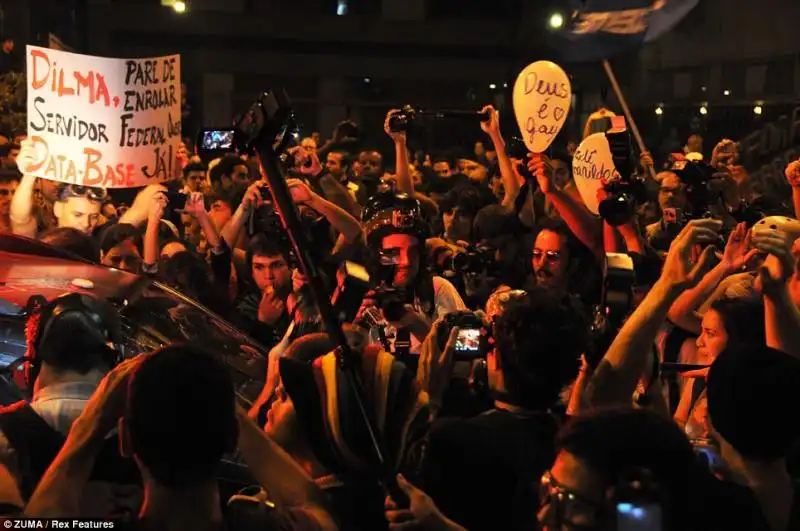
(282, 199)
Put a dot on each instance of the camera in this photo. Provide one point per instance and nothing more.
(176, 200)
(623, 193)
(409, 118)
(211, 140)
(702, 187)
(616, 303)
(477, 258)
(402, 120)
(472, 341)
(391, 301)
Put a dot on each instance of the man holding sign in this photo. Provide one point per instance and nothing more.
(95, 123)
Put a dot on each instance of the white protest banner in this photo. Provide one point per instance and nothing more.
(592, 162)
(111, 123)
(542, 95)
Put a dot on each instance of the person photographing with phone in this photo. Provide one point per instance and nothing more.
(495, 459)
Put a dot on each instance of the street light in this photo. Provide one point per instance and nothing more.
(556, 21)
(492, 86)
(757, 110)
(703, 110)
(179, 6)
(659, 110)
(726, 92)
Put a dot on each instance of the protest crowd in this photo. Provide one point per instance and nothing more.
(526, 356)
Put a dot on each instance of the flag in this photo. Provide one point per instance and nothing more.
(601, 29)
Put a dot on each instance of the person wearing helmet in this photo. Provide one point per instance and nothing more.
(72, 342)
(407, 297)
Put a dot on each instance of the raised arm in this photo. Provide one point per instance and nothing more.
(781, 315)
(59, 491)
(151, 244)
(579, 220)
(404, 182)
(737, 254)
(252, 198)
(615, 378)
(344, 223)
(23, 222)
(510, 181)
(793, 178)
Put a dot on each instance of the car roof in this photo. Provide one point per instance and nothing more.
(28, 268)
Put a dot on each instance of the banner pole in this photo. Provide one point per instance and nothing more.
(628, 116)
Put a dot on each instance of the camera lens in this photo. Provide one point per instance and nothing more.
(616, 209)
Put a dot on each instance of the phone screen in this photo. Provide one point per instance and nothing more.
(469, 341)
(636, 517)
(214, 139)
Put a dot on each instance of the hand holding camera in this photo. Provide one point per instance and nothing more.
(390, 125)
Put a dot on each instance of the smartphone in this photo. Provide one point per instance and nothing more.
(633, 516)
(215, 140)
(176, 200)
(468, 343)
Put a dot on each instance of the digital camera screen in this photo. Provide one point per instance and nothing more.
(468, 340)
(214, 139)
(636, 517)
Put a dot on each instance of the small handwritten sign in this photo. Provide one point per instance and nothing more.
(95, 121)
(542, 95)
(592, 163)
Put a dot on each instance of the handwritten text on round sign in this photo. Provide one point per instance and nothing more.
(542, 95)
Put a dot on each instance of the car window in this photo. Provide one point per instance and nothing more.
(161, 316)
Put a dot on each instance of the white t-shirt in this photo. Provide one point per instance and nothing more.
(445, 300)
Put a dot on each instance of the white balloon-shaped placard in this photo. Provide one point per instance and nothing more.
(592, 163)
(542, 96)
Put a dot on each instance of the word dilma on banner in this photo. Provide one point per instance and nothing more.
(44, 70)
(92, 170)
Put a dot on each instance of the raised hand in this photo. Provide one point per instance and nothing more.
(300, 191)
(792, 173)
(492, 127)
(738, 252)
(271, 307)
(195, 206)
(422, 513)
(779, 265)
(397, 136)
(538, 167)
(679, 269)
(158, 204)
(436, 365)
(27, 156)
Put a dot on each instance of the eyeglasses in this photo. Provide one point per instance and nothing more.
(567, 505)
(74, 190)
(553, 256)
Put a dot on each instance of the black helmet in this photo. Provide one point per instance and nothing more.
(393, 213)
(80, 313)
